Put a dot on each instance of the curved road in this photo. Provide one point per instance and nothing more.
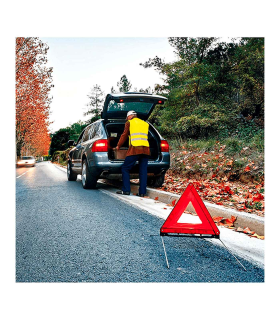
(67, 234)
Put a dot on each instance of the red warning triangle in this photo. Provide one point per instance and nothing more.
(207, 225)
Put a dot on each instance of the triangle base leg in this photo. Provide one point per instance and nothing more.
(165, 253)
(233, 255)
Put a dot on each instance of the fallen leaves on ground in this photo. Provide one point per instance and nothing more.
(250, 233)
(243, 197)
(229, 223)
(221, 221)
(235, 181)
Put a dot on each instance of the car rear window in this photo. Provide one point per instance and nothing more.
(27, 158)
(141, 107)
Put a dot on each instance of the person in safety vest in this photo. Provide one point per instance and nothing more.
(137, 131)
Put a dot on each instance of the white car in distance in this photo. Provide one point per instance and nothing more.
(26, 161)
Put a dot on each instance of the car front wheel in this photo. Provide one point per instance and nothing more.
(71, 176)
(88, 180)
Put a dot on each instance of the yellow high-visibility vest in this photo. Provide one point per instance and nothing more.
(139, 130)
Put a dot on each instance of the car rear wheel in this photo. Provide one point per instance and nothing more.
(156, 181)
(88, 181)
(71, 176)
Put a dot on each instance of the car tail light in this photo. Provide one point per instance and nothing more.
(164, 146)
(100, 146)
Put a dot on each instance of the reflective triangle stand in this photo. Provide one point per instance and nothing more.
(194, 236)
(165, 253)
(233, 255)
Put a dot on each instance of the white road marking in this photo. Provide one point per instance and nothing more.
(23, 174)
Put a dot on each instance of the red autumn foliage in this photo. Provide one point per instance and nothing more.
(230, 222)
(217, 219)
(33, 84)
(248, 231)
(221, 221)
(258, 197)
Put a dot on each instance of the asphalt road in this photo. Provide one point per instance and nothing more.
(67, 234)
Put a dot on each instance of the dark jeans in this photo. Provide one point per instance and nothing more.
(127, 166)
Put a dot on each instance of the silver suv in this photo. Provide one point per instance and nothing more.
(93, 156)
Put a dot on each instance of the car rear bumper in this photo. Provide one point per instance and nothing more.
(102, 167)
(25, 164)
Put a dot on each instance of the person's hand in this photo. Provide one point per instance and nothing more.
(116, 149)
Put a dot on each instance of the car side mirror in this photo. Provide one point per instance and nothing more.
(71, 143)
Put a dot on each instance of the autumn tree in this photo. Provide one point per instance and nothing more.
(124, 84)
(33, 84)
(95, 105)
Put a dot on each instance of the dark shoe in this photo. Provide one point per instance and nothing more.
(124, 193)
(140, 195)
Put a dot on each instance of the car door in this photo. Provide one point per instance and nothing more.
(117, 105)
(84, 142)
(76, 157)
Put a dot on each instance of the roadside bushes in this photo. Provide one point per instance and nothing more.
(227, 159)
(234, 146)
(61, 156)
(194, 127)
(206, 121)
(242, 128)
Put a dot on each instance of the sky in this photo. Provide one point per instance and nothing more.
(80, 63)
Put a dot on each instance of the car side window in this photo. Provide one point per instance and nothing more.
(96, 131)
(80, 138)
(86, 134)
(92, 131)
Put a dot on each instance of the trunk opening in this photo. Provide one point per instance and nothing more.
(115, 130)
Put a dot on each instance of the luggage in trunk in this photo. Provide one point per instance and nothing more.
(120, 154)
(115, 131)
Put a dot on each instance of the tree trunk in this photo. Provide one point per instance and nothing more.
(257, 110)
(18, 149)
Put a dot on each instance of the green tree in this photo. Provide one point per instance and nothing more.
(60, 138)
(95, 105)
(185, 80)
(249, 71)
(187, 73)
(75, 129)
(124, 85)
(147, 90)
(209, 86)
